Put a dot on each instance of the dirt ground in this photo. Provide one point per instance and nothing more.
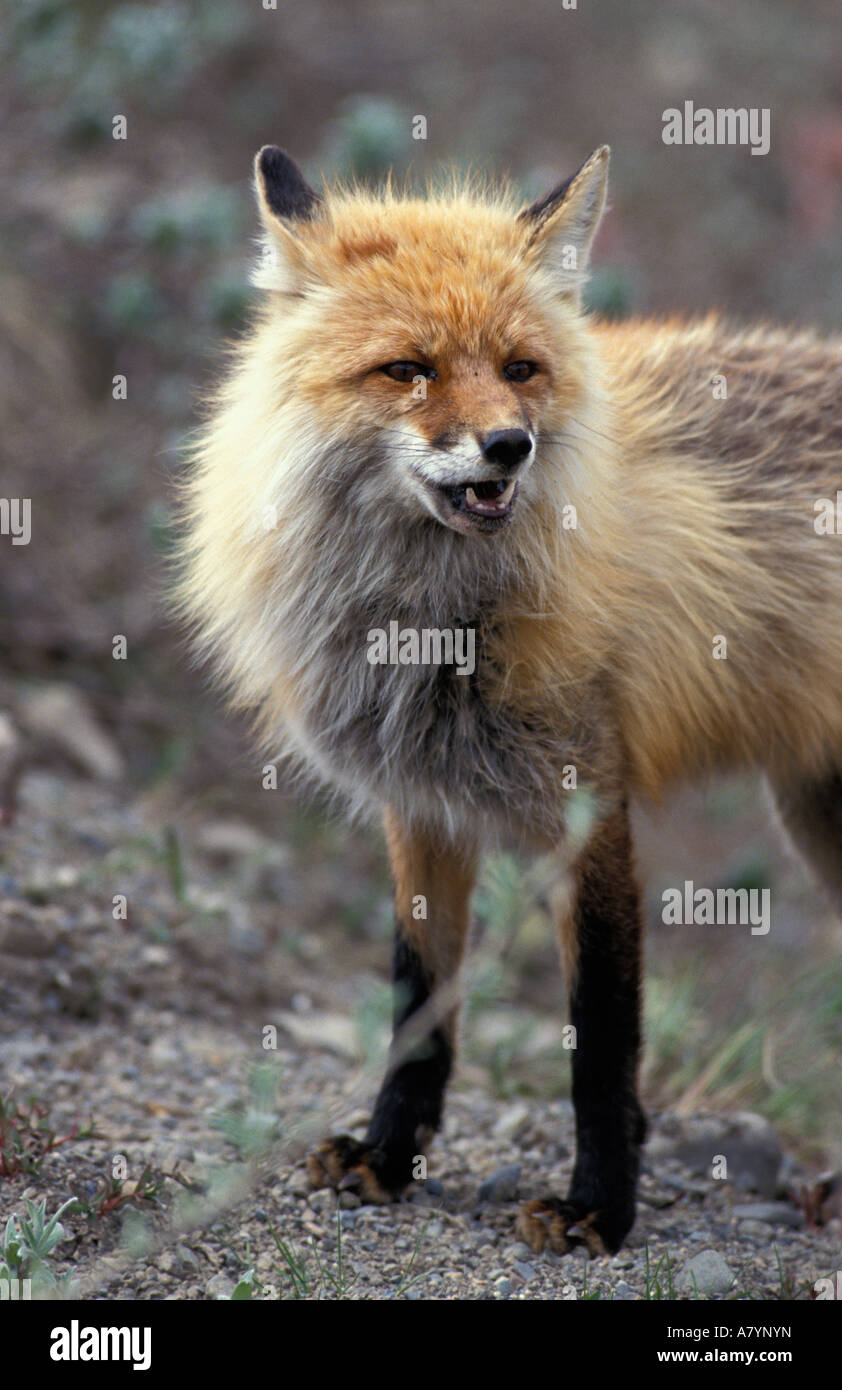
(209, 1038)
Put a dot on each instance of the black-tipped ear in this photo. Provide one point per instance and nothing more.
(286, 191)
(544, 207)
(561, 227)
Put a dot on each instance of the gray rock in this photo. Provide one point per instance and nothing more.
(774, 1213)
(332, 1031)
(623, 1293)
(60, 716)
(424, 1199)
(502, 1185)
(231, 840)
(513, 1121)
(747, 1141)
(524, 1269)
(682, 1183)
(706, 1272)
(11, 760)
(321, 1201)
(503, 1288)
(219, 1286)
(755, 1230)
(186, 1260)
(27, 932)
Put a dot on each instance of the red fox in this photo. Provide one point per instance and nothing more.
(425, 433)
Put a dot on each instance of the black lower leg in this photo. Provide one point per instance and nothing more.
(605, 1011)
(437, 879)
(409, 1107)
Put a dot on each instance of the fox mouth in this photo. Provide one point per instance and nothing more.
(479, 506)
(491, 499)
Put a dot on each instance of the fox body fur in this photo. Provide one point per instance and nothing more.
(425, 427)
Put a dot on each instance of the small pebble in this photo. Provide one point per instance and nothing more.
(707, 1272)
(502, 1185)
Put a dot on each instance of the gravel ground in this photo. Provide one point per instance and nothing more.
(159, 1027)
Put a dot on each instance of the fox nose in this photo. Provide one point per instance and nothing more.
(507, 447)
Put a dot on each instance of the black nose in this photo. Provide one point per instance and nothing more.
(507, 447)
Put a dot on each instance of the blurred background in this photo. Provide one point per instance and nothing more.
(131, 257)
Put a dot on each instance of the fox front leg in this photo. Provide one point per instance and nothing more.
(433, 883)
(603, 951)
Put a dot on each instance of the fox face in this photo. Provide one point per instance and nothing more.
(444, 336)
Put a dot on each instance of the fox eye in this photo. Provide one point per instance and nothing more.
(520, 371)
(407, 371)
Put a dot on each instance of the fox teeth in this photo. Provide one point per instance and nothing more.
(501, 500)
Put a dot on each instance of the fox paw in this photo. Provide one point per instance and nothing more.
(349, 1165)
(550, 1223)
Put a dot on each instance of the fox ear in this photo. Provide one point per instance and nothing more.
(285, 200)
(282, 189)
(561, 227)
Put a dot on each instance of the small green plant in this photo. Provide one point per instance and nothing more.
(26, 1135)
(372, 1019)
(174, 864)
(29, 1240)
(786, 1284)
(294, 1266)
(245, 1285)
(655, 1288)
(504, 1056)
(302, 1282)
(114, 1193)
(408, 1280)
(341, 1281)
(252, 1127)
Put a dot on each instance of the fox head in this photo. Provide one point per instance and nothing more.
(438, 343)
